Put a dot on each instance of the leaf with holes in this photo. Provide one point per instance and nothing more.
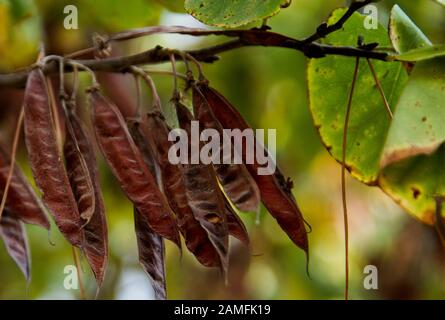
(329, 80)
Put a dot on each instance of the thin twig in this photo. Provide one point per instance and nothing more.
(83, 295)
(343, 177)
(18, 130)
(323, 30)
(175, 79)
(379, 86)
(151, 85)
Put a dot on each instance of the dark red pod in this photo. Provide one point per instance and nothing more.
(46, 160)
(236, 226)
(204, 196)
(151, 254)
(21, 196)
(13, 233)
(95, 231)
(235, 179)
(195, 236)
(275, 191)
(127, 165)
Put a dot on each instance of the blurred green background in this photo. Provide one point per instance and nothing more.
(268, 86)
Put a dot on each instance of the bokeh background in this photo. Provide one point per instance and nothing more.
(268, 86)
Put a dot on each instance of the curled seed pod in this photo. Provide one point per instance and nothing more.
(236, 226)
(275, 191)
(21, 196)
(78, 173)
(136, 132)
(46, 161)
(95, 231)
(204, 196)
(127, 165)
(151, 254)
(196, 238)
(13, 233)
(235, 178)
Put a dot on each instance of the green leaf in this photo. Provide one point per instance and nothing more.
(232, 13)
(414, 182)
(419, 122)
(422, 53)
(404, 34)
(414, 169)
(329, 81)
(414, 155)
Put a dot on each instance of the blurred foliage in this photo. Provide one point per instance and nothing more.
(268, 85)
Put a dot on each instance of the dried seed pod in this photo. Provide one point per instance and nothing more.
(95, 231)
(78, 173)
(236, 226)
(46, 161)
(22, 200)
(151, 254)
(196, 238)
(275, 191)
(235, 178)
(127, 164)
(13, 233)
(204, 196)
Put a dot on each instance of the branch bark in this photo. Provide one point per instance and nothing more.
(242, 38)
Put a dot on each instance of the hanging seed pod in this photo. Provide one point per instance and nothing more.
(151, 254)
(195, 236)
(235, 179)
(13, 233)
(21, 196)
(275, 190)
(46, 161)
(236, 226)
(78, 174)
(127, 165)
(95, 231)
(203, 194)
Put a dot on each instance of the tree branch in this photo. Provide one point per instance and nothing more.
(242, 38)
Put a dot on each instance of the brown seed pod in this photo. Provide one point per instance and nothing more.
(235, 178)
(204, 196)
(151, 254)
(127, 165)
(46, 161)
(275, 190)
(78, 173)
(196, 238)
(13, 233)
(21, 196)
(95, 231)
(236, 226)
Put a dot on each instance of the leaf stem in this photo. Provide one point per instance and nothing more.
(12, 165)
(379, 86)
(79, 274)
(343, 177)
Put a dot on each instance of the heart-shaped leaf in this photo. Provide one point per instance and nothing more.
(329, 82)
(231, 14)
(413, 158)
